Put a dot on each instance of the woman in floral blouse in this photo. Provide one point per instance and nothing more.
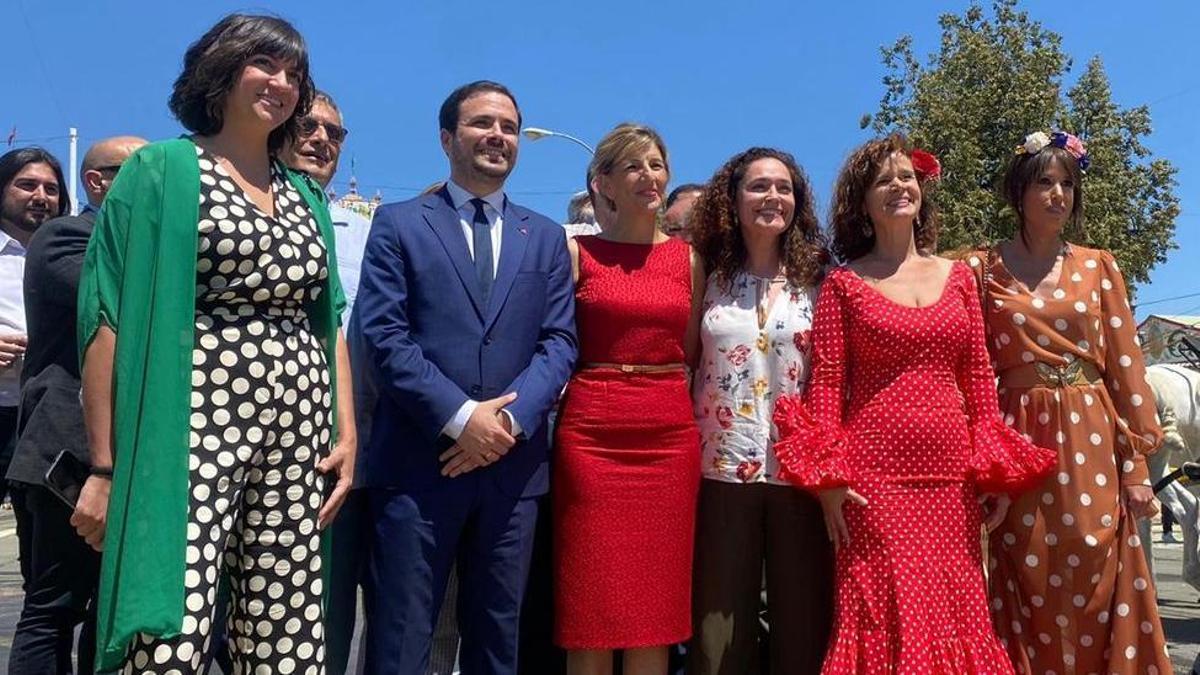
(756, 230)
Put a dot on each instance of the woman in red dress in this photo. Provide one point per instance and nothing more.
(627, 462)
(900, 433)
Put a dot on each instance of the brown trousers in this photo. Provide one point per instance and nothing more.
(739, 530)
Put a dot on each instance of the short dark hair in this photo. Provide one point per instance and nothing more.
(448, 113)
(1025, 169)
(13, 161)
(213, 64)
(682, 190)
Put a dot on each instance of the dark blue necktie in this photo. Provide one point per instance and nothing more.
(481, 231)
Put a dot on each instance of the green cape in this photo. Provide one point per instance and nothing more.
(139, 278)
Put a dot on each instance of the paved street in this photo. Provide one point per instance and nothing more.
(10, 584)
(1180, 603)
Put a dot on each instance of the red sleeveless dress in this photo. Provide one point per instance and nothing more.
(626, 467)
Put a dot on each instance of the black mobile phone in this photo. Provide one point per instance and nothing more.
(66, 477)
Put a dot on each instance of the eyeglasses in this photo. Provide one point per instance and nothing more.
(308, 127)
(108, 167)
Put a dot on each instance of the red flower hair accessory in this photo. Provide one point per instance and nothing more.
(926, 164)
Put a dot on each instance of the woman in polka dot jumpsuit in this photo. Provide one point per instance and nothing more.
(900, 435)
(261, 421)
(1070, 589)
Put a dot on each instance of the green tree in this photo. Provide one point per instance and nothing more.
(996, 78)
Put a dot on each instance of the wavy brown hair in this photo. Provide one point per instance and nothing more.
(717, 231)
(852, 230)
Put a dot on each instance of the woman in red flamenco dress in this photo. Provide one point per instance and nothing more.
(899, 432)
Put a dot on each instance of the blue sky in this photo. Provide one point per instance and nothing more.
(713, 77)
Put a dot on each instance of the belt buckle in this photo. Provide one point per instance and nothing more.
(1059, 376)
(626, 368)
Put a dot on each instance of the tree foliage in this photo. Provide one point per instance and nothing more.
(997, 77)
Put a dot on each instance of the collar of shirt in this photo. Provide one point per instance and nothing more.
(461, 199)
(10, 246)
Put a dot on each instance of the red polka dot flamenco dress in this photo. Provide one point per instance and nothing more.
(902, 408)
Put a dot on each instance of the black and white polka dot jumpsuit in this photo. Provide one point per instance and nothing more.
(260, 421)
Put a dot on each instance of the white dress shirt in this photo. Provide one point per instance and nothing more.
(350, 231)
(493, 208)
(12, 312)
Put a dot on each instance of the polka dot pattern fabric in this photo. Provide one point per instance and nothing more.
(260, 421)
(1070, 588)
(901, 406)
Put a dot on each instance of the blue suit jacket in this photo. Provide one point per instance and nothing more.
(435, 344)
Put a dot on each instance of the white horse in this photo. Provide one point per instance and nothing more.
(1177, 388)
(1177, 396)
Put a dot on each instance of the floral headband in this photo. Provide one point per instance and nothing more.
(1059, 139)
(926, 164)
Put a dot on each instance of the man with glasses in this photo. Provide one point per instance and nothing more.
(60, 570)
(316, 151)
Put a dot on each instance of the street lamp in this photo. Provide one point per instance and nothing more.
(536, 134)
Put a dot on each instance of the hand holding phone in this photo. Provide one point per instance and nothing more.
(66, 477)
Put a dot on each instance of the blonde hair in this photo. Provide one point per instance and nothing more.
(624, 140)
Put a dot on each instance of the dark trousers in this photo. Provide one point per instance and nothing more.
(538, 653)
(739, 529)
(8, 445)
(348, 565)
(61, 573)
(417, 537)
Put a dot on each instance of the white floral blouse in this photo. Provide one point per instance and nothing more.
(746, 364)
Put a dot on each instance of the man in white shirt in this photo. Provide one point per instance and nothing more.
(316, 151)
(32, 190)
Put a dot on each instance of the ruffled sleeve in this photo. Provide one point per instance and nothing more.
(811, 455)
(1138, 430)
(812, 442)
(1001, 459)
(1004, 461)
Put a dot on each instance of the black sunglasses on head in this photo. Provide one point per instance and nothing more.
(308, 126)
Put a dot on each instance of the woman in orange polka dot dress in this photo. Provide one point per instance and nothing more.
(1070, 590)
(899, 432)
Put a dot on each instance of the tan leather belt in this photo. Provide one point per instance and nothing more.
(635, 367)
(1078, 373)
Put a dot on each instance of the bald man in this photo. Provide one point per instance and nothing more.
(60, 570)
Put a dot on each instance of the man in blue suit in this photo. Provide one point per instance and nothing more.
(467, 306)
